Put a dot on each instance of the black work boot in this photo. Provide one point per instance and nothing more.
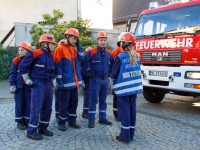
(91, 124)
(105, 122)
(74, 125)
(119, 138)
(62, 127)
(26, 124)
(35, 136)
(21, 125)
(45, 132)
(85, 113)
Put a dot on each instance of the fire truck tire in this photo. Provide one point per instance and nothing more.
(153, 95)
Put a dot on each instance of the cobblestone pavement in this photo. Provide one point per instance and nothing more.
(173, 124)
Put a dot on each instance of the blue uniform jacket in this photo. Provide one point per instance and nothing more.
(68, 75)
(127, 76)
(40, 63)
(85, 70)
(100, 61)
(15, 77)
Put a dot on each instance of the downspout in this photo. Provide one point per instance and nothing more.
(78, 9)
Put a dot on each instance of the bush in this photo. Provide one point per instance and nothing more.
(6, 57)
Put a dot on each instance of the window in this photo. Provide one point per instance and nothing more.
(163, 21)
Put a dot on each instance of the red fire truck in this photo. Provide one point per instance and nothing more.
(168, 42)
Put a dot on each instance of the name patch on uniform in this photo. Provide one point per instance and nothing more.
(39, 65)
(131, 74)
(125, 60)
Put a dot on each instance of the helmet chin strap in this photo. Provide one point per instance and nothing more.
(47, 48)
(68, 40)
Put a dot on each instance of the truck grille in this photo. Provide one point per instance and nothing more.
(164, 56)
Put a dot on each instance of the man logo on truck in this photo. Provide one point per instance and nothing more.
(156, 54)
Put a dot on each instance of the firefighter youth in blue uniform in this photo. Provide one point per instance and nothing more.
(85, 72)
(56, 104)
(68, 78)
(21, 91)
(100, 60)
(115, 53)
(57, 96)
(126, 73)
(41, 65)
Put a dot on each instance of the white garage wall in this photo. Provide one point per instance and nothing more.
(30, 11)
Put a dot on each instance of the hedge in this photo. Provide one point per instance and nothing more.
(6, 56)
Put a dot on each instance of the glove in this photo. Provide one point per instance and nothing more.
(27, 79)
(83, 86)
(77, 43)
(55, 85)
(60, 86)
(13, 89)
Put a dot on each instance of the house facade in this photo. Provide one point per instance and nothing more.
(104, 14)
(24, 11)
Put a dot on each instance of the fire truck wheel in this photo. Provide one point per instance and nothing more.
(153, 95)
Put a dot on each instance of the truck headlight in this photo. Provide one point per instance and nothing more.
(192, 75)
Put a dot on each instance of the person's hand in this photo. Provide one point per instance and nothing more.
(77, 43)
(27, 79)
(13, 89)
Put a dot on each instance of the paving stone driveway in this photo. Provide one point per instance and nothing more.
(173, 124)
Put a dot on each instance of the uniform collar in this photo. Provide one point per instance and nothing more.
(101, 49)
(44, 50)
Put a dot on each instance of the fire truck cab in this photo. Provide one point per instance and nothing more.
(168, 42)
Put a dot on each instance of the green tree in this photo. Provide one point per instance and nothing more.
(58, 29)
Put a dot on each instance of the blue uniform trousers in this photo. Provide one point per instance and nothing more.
(57, 103)
(98, 92)
(68, 102)
(127, 114)
(86, 96)
(22, 103)
(41, 106)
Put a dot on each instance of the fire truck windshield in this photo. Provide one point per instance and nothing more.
(168, 20)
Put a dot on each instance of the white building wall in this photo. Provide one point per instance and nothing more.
(30, 11)
(99, 13)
